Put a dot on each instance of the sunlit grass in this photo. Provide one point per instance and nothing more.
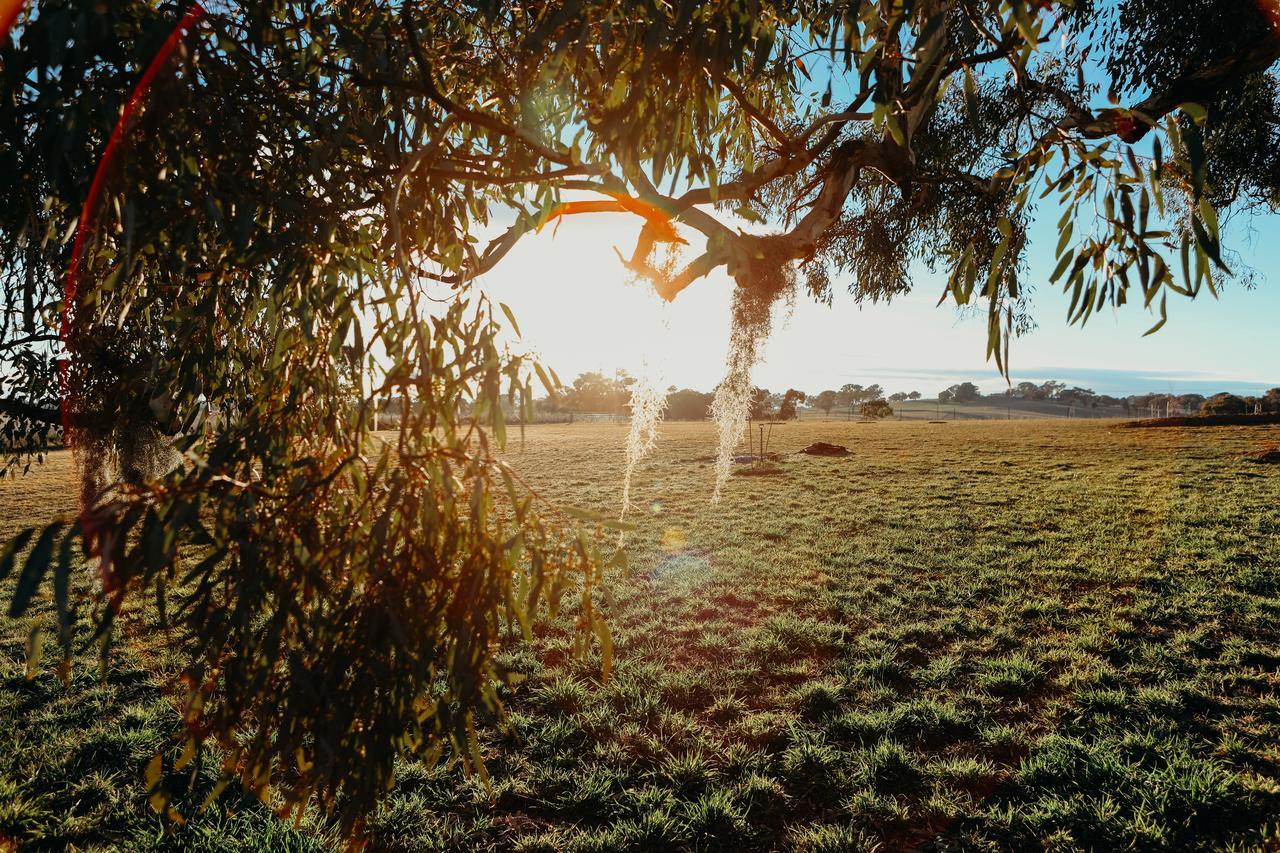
(1003, 635)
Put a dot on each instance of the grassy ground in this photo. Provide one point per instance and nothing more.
(71, 758)
(986, 409)
(962, 636)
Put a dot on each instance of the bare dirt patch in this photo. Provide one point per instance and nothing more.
(823, 448)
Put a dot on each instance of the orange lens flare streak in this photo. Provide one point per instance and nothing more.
(195, 13)
(1271, 9)
(658, 220)
(9, 10)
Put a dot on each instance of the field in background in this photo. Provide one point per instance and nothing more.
(972, 635)
(987, 409)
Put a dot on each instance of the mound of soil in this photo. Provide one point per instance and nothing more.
(1269, 456)
(822, 448)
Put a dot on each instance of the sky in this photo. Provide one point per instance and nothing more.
(578, 311)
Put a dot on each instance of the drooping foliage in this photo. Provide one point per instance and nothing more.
(250, 226)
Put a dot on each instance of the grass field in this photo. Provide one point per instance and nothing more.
(1000, 635)
(987, 409)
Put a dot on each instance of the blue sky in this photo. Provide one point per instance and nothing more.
(578, 311)
(571, 296)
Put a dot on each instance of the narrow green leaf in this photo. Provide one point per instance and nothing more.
(1164, 317)
(552, 387)
(511, 318)
(1063, 262)
(606, 648)
(1197, 113)
(34, 650)
(1064, 237)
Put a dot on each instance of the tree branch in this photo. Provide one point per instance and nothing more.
(21, 409)
(431, 90)
(787, 143)
(1197, 86)
(742, 188)
(1131, 124)
(480, 177)
(36, 338)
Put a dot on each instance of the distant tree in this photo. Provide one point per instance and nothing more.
(595, 392)
(1031, 391)
(897, 396)
(1188, 403)
(872, 392)
(1224, 404)
(1049, 390)
(787, 408)
(548, 405)
(759, 408)
(825, 401)
(1025, 391)
(962, 392)
(1078, 396)
(1271, 400)
(688, 405)
(1146, 403)
(914, 395)
(875, 409)
(848, 394)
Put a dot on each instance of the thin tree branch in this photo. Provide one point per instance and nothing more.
(787, 143)
(431, 90)
(15, 408)
(1197, 86)
(38, 338)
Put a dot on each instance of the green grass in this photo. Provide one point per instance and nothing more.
(1019, 635)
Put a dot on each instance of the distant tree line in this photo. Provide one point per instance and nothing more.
(596, 392)
(1135, 404)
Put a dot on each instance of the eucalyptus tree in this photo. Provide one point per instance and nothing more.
(825, 401)
(270, 212)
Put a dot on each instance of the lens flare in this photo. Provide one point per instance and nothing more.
(85, 228)
(1271, 9)
(9, 10)
(674, 540)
